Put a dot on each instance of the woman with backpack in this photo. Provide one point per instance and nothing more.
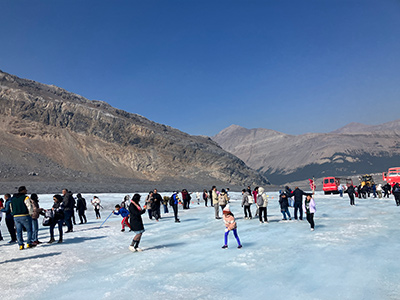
(223, 199)
(35, 216)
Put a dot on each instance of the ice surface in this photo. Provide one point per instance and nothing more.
(352, 254)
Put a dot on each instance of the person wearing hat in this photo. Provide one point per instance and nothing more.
(230, 224)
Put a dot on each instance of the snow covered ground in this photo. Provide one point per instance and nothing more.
(352, 254)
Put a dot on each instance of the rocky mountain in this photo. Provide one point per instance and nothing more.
(50, 135)
(353, 149)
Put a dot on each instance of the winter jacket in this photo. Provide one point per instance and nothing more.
(311, 206)
(350, 190)
(81, 204)
(68, 201)
(122, 211)
(36, 209)
(214, 197)
(245, 199)
(7, 209)
(255, 196)
(229, 221)
(157, 199)
(223, 199)
(96, 203)
(19, 205)
(136, 221)
(283, 201)
(262, 195)
(58, 209)
(298, 195)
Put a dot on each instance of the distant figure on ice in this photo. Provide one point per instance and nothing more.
(386, 188)
(96, 205)
(215, 203)
(156, 206)
(186, 199)
(255, 192)
(298, 202)
(351, 192)
(309, 208)
(379, 190)
(136, 222)
(124, 214)
(262, 203)
(340, 190)
(149, 204)
(205, 197)
(247, 201)
(9, 219)
(230, 225)
(174, 201)
(125, 203)
(69, 205)
(284, 203)
(80, 208)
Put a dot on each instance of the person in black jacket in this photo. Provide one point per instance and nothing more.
(284, 203)
(58, 218)
(157, 199)
(350, 192)
(80, 208)
(68, 203)
(298, 202)
(396, 193)
(136, 222)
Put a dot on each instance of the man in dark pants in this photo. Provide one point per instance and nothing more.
(9, 219)
(298, 202)
(157, 199)
(350, 192)
(69, 203)
(174, 200)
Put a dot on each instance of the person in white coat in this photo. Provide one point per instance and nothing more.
(309, 209)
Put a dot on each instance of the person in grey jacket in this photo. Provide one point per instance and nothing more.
(246, 205)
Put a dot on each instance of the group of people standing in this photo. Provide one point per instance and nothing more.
(22, 213)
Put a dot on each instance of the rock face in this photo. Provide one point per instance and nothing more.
(353, 149)
(55, 135)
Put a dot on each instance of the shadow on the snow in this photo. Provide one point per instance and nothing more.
(93, 228)
(30, 257)
(82, 239)
(190, 220)
(165, 246)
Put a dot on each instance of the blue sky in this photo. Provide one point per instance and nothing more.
(200, 66)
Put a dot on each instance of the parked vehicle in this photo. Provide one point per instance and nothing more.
(392, 176)
(330, 184)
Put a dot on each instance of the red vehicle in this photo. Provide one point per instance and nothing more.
(330, 184)
(392, 175)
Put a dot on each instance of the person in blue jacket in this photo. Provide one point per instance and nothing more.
(124, 214)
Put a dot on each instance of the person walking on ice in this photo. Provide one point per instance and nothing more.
(230, 224)
(124, 214)
(136, 222)
(309, 208)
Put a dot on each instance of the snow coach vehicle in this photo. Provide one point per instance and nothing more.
(392, 176)
(330, 184)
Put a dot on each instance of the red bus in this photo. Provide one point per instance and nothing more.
(392, 175)
(330, 184)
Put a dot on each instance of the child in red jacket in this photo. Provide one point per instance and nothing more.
(124, 214)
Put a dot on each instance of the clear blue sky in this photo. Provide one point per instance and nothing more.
(200, 66)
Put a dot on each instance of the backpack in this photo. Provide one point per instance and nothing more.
(29, 205)
(172, 200)
(250, 199)
(260, 201)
